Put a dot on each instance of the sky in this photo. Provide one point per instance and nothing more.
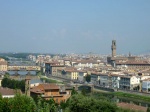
(74, 26)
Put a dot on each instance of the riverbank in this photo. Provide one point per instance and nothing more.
(132, 96)
(126, 96)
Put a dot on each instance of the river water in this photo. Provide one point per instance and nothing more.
(23, 73)
(117, 99)
(131, 101)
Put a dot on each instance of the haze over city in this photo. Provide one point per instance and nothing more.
(74, 26)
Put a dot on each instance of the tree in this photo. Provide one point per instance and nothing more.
(74, 91)
(148, 109)
(83, 92)
(22, 103)
(88, 78)
(13, 84)
(80, 103)
(46, 105)
(7, 75)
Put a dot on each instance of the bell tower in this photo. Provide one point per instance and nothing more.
(113, 48)
(27, 85)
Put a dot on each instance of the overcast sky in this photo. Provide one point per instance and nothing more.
(74, 26)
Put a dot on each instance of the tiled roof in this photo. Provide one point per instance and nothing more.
(3, 63)
(7, 91)
(42, 87)
(134, 62)
(49, 86)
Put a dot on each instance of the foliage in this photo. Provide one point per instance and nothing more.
(64, 105)
(7, 75)
(133, 96)
(46, 105)
(80, 103)
(83, 92)
(88, 78)
(73, 92)
(39, 73)
(148, 109)
(22, 103)
(13, 84)
(103, 96)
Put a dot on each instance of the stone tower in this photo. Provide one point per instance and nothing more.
(27, 86)
(113, 48)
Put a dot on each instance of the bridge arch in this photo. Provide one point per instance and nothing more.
(86, 87)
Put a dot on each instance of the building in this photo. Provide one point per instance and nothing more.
(81, 76)
(113, 48)
(68, 73)
(3, 64)
(114, 58)
(101, 79)
(95, 78)
(129, 82)
(114, 80)
(86, 63)
(134, 64)
(146, 85)
(71, 74)
(51, 67)
(47, 91)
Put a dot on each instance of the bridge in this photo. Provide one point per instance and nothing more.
(79, 87)
(21, 67)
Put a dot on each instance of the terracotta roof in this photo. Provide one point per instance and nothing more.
(132, 107)
(7, 91)
(42, 87)
(134, 62)
(49, 86)
(87, 61)
(3, 63)
(37, 89)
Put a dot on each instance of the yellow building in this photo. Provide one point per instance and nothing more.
(3, 65)
(72, 74)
